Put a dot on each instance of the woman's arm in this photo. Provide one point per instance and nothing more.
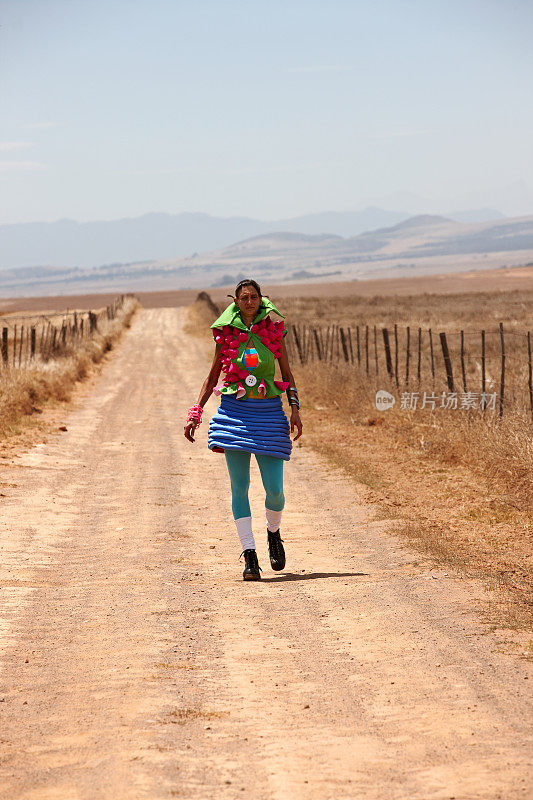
(206, 391)
(287, 375)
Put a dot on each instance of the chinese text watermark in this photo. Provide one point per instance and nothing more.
(409, 401)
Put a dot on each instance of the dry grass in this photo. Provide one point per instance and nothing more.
(23, 391)
(467, 310)
(457, 486)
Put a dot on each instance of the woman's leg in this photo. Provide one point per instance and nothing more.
(239, 472)
(272, 476)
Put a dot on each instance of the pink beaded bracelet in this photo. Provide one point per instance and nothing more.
(194, 414)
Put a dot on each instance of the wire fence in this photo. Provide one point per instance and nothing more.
(486, 369)
(25, 339)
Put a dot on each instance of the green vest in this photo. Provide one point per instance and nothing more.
(265, 369)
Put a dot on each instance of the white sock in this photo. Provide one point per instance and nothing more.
(273, 519)
(244, 529)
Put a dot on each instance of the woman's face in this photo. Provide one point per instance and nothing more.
(248, 301)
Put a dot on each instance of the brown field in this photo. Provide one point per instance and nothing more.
(491, 280)
(24, 390)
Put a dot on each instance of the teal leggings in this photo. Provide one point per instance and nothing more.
(239, 472)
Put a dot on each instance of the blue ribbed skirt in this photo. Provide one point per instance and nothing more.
(256, 426)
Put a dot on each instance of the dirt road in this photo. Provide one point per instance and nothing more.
(136, 663)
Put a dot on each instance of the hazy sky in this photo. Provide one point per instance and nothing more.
(263, 108)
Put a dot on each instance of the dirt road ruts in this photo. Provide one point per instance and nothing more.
(136, 663)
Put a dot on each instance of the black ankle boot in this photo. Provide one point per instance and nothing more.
(252, 569)
(276, 551)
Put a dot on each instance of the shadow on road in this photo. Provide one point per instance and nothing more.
(309, 576)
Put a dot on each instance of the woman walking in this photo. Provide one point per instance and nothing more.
(250, 418)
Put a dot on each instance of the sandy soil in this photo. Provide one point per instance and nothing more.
(136, 663)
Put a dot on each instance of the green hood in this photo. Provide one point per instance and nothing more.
(232, 315)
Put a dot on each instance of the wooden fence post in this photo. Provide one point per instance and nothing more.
(376, 349)
(530, 370)
(33, 342)
(388, 357)
(344, 345)
(308, 342)
(447, 361)
(419, 364)
(14, 344)
(350, 343)
(407, 354)
(396, 354)
(463, 370)
(432, 358)
(321, 337)
(297, 342)
(48, 339)
(317, 345)
(5, 355)
(483, 375)
(358, 347)
(502, 374)
(366, 349)
(21, 343)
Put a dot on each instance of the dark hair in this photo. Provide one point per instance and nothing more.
(247, 282)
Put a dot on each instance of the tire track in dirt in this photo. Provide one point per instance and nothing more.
(154, 671)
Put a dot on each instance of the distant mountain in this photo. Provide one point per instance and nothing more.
(151, 236)
(421, 245)
(340, 223)
(476, 215)
(423, 221)
(67, 243)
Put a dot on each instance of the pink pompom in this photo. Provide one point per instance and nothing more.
(226, 330)
(234, 344)
(281, 385)
(233, 353)
(255, 328)
(243, 373)
(242, 336)
(219, 339)
(262, 324)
